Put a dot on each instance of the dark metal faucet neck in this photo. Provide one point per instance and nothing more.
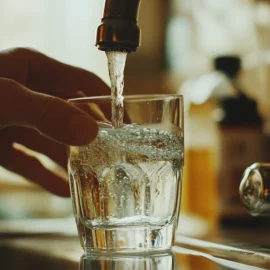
(119, 30)
(123, 9)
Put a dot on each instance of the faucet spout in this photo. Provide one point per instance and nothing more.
(119, 30)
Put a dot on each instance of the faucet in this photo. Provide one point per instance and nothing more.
(119, 30)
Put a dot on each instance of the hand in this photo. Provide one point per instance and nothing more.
(34, 114)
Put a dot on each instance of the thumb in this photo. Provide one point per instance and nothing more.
(52, 116)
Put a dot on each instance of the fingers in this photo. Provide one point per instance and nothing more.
(91, 108)
(52, 116)
(33, 170)
(34, 141)
(70, 95)
(14, 65)
(46, 75)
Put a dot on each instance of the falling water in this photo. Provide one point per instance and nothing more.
(116, 65)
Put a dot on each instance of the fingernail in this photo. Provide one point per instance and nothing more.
(83, 129)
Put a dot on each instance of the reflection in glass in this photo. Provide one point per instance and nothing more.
(164, 261)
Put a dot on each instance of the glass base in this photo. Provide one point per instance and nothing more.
(127, 240)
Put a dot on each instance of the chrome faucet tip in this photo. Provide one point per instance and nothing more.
(119, 30)
(113, 48)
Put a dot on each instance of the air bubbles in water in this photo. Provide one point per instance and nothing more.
(125, 184)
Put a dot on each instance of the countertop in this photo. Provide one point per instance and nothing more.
(48, 248)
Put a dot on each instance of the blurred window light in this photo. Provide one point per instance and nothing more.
(207, 28)
(200, 30)
(262, 13)
(208, 86)
(63, 29)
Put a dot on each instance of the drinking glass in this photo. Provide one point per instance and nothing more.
(126, 184)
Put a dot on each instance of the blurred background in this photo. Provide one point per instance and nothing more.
(180, 41)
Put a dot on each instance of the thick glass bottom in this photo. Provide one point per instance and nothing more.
(127, 240)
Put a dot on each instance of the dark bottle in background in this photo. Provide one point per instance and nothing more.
(241, 144)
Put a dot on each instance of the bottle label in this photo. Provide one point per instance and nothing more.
(239, 149)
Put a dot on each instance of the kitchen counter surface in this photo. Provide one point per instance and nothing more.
(52, 249)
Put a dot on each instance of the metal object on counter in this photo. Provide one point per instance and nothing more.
(119, 30)
(254, 189)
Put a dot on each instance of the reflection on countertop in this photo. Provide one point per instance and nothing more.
(63, 251)
(161, 261)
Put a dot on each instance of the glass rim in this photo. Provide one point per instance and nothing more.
(141, 97)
